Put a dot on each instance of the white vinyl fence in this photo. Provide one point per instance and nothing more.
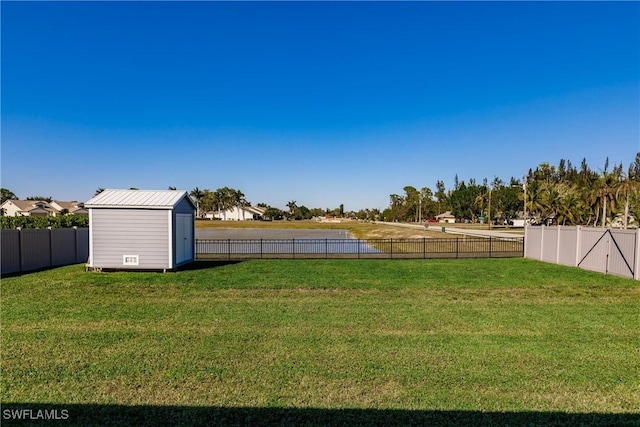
(598, 249)
(34, 249)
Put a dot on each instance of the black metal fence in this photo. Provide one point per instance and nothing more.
(459, 247)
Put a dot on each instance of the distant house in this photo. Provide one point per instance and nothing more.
(76, 208)
(42, 208)
(446, 217)
(28, 208)
(141, 229)
(238, 213)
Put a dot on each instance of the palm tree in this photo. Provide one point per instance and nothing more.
(483, 199)
(6, 194)
(550, 199)
(534, 203)
(197, 195)
(441, 195)
(292, 207)
(627, 186)
(605, 194)
(569, 207)
(225, 199)
(239, 200)
(207, 201)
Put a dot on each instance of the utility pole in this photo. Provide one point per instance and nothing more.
(525, 200)
(489, 215)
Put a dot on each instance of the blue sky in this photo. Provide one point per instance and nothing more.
(325, 103)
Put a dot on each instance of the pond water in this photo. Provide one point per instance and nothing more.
(278, 241)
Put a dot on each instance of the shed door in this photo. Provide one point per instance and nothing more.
(184, 238)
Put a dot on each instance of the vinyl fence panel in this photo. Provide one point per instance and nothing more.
(35, 248)
(550, 244)
(82, 245)
(10, 240)
(636, 269)
(567, 245)
(64, 242)
(533, 242)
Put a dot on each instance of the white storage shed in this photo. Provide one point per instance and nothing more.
(141, 229)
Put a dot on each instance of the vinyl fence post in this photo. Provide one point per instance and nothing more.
(358, 248)
(260, 248)
(391, 250)
(559, 230)
(293, 247)
(326, 248)
(229, 248)
(609, 238)
(636, 256)
(75, 242)
(20, 254)
(50, 246)
(578, 245)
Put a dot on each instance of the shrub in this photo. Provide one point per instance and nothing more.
(64, 221)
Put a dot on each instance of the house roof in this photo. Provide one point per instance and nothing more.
(446, 214)
(147, 199)
(70, 206)
(254, 209)
(31, 205)
(250, 209)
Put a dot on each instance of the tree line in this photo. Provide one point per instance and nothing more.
(562, 194)
(225, 198)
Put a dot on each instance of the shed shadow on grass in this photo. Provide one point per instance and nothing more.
(120, 415)
(207, 264)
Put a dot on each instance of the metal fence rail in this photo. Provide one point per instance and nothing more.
(459, 247)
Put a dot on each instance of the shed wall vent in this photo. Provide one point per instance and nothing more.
(130, 259)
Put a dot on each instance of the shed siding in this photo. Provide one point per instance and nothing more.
(118, 232)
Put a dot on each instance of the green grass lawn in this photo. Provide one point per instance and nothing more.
(479, 341)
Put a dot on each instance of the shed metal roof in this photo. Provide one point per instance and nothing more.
(148, 199)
